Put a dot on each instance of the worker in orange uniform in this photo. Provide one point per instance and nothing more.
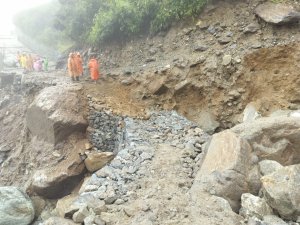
(94, 68)
(79, 65)
(72, 67)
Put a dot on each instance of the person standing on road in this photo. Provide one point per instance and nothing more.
(94, 68)
(79, 64)
(72, 66)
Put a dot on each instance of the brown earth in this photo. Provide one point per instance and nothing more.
(269, 77)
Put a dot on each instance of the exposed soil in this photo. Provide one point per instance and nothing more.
(166, 73)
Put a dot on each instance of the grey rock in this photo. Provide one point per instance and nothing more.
(157, 87)
(267, 167)
(127, 81)
(254, 179)
(262, 133)
(277, 13)
(219, 211)
(225, 168)
(254, 221)
(89, 220)
(119, 201)
(273, 220)
(280, 184)
(146, 156)
(224, 40)
(211, 29)
(206, 121)
(15, 207)
(180, 86)
(152, 51)
(251, 28)
(253, 206)
(234, 94)
(256, 45)
(81, 214)
(250, 113)
(129, 211)
(58, 221)
(211, 63)
(200, 48)
(91, 202)
(150, 60)
(226, 60)
(99, 221)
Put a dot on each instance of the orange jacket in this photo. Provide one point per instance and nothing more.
(72, 68)
(94, 69)
(79, 66)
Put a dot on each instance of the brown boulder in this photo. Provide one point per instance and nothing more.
(157, 87)
(281, 191)
(56, 113)
(60, 180)
(225, 169)
(273, 138)
(97, 160)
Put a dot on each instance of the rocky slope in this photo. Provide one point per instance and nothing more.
(140, 147)
(214, 66)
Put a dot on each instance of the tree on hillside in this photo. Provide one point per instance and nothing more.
(95, 21)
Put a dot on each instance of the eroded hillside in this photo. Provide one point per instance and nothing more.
(171, 133)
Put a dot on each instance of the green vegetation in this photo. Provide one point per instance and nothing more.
(125, 18)
(95, 21)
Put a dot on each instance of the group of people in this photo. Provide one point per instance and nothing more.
(32, 63)
(75, 66)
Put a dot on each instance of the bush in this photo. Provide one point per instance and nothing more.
(125, 18)
(95, 21)
(174, 10)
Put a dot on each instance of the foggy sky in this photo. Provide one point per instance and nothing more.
(8, 8)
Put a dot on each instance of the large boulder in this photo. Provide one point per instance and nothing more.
(273, 138)
(15, 207)
(60, 180)
(56, 113)
(277, 13)
(225, 169)
(281, 191)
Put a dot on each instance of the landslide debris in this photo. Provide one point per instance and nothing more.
(148, 119)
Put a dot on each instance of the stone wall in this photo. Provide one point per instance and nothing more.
(106, 131)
